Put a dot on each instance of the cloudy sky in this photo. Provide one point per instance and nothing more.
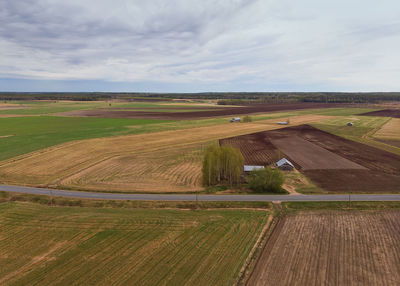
(202, 45)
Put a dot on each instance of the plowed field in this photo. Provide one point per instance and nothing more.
(384, 113)
(311, 156)
(332, 248)
(340, 165)
(193, 114)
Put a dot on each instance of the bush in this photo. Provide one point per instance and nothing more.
(266, 180)
(247, 118)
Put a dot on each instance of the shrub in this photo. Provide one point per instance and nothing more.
(247, 118)
(266, 180)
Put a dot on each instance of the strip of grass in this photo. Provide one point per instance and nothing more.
(289, 207)
(63, 202)
(109, 246)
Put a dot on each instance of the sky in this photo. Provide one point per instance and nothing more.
(199, 46)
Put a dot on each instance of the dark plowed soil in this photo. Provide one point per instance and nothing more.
(381, 171)
(331, 248)
(218, 112)
(384, 113)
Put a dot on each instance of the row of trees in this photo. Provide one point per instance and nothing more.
(222, 164)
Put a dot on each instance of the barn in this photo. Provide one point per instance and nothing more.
(285, 164)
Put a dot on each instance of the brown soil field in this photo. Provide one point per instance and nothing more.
(311, 156)
(380, 173)
(168, 161)
(218, 112)
(384, 113)
(332, 248)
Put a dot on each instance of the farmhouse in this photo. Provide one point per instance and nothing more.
(249, 168)
(285, 164)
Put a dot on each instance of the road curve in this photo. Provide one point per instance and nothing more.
(187, 197)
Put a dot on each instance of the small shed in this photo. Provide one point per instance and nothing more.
(350, 124)
(285, 164)
(249, 168)
(235, 119)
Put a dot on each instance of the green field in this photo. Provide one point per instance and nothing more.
(363, 130)
(44, 245)
(27, 134)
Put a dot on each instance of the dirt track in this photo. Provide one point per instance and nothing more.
(384, 113)
(381, 171)
(332, 248)
(218, 112)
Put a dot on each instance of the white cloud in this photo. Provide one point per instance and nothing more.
(342, 45)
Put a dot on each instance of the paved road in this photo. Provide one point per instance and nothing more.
(185, 197)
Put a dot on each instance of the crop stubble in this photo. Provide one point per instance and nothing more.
(166, 161)
(40, 245)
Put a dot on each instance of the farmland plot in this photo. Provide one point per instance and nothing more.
(332, 248)
(42, 245)
(331, 162)
(166, 161)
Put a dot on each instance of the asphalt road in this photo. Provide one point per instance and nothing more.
(186, 197)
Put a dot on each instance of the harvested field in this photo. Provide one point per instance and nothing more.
(332, 248)
(40, 244)
(217, 112)
(312, 157)
(355, 167)
(389, 131)
(384, 113)
(168, 161)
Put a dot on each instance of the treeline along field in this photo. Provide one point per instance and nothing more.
(232, 97)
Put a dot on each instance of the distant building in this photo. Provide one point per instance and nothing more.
(249, 168)
(235, 119)
(285, 164)
(350, 124)
(283, 123)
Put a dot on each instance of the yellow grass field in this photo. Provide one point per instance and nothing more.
(390, 131)
(168, 161)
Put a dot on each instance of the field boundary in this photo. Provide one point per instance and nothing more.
(262, 244)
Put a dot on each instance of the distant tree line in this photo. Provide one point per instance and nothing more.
(225, 98)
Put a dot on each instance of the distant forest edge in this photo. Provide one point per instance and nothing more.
(224, 98)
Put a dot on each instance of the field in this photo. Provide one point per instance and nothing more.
(40, 245)
(395, 113)
(196, 114)
(311, 156)
(331, 162)
(332, 248)
(170, 161)
(390, 133)
(27, 134)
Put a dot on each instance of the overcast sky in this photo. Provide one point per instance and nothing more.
(204, 45)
